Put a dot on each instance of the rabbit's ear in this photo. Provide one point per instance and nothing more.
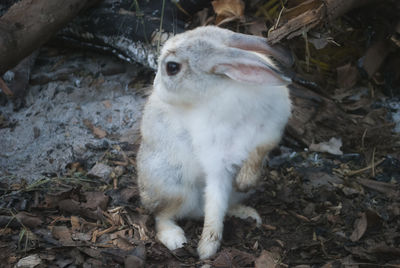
(260, 44)
(247, 67)
(247, 73)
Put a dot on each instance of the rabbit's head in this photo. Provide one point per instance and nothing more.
(202, 61)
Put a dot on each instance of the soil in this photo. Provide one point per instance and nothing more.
(318, 209)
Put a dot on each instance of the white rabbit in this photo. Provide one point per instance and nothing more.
(216, 109)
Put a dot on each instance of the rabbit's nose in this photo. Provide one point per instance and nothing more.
(260, 44)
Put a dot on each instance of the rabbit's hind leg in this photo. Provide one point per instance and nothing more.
(250, 173)
(244, 212)
(168, 232)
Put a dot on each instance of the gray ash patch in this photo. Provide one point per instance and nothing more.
(68, 89)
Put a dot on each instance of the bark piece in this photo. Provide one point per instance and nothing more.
(28, 24)
(309, 14)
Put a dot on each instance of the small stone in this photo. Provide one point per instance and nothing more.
(133, 262)
(100, 171)
(118, 171)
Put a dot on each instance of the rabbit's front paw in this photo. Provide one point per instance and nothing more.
(172, 237)
(207, 248)
(208, 245)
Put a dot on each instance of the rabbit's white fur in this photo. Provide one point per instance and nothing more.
(199, 128)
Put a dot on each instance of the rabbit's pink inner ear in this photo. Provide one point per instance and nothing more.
(248, 73)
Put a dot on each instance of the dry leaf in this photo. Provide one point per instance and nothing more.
(28, 219)
(62, 233)
(233, 258)
(347, 76)
(360, 226)
(228, 9)
(98, 132)
(75, 225)
(123, 244)
(95, 199)
(107, 104)
(375, 56)
(327, 265)
(109, 118)
(394, 208)
(75, 207)
(201, 18)
(258, 27)
(5, 88)
(319, 43)
(266, 260)
(29, 261)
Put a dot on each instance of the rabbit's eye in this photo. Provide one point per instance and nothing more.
(173, 68)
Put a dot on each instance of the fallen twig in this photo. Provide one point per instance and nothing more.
(372, 165)
(383, 187)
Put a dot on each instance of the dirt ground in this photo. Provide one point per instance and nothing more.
(314, 215)
(68, 191)
(318, 210)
